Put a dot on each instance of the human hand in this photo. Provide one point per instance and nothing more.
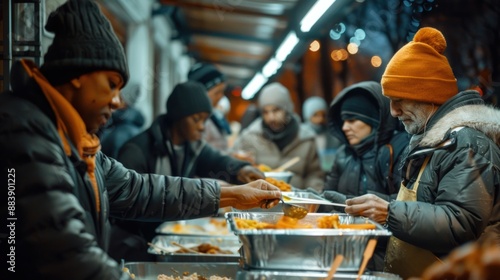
(368, 205)
(259, 193)
(249, 173)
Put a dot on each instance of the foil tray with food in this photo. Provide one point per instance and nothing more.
(212, 226)
(310, 275)
(169, 271)
(273, 241)
(312, 205)
(181, 248)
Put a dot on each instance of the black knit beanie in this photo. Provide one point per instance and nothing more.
(206, 74)
(83, 42)
(187, 99)
(359, 105)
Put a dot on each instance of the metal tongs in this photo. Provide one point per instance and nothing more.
(311, 201)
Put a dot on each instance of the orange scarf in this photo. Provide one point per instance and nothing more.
(70, 126)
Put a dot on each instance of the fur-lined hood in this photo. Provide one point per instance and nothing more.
(484, 118)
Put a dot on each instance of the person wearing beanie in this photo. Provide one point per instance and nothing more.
(173, 145)
(276, 137)
(125, 123)
(449, 193)
(217, 129)
(61, 189)
(314, 114)
(366, 162)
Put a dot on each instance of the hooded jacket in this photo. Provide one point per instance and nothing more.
(59, 234)
(369, 166)
(458, 198)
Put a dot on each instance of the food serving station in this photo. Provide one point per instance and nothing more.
(264, 244)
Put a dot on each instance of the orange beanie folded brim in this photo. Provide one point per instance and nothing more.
(419, 71)
(429, 90)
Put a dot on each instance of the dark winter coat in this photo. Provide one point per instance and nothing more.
(458, 197)
(58, 232)
(369, 166)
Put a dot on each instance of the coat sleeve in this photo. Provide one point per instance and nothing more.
(455, 201)
(51, 238)
(152, 197)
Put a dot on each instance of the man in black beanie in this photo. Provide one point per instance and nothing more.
(217, 127)
(173, 145)
(61, 190)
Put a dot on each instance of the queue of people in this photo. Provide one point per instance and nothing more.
(435, 186)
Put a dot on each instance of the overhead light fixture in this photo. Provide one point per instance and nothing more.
(253, 86)
(314, 14)
(271, 67)
(287, 46)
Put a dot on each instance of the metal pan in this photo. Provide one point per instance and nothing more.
(166, 252)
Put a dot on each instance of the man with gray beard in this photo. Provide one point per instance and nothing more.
(449, 194)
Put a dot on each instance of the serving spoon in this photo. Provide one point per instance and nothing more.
(293, 210)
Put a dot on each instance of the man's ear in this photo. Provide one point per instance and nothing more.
(76, 82)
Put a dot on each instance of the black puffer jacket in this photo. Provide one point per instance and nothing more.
(458, 197)
(58, 233)
(368, 167)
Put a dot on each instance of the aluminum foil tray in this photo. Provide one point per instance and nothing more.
(311, 207)
(304, 275)
(164, 250)
(198, 227)
(151, 270)
(302, 249)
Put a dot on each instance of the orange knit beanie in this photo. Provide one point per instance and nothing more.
(419, 71)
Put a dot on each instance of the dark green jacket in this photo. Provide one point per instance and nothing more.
(458, 197)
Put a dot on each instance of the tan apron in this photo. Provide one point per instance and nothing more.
(403, 258)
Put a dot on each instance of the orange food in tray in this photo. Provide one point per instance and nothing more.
(357, 226)
(284, 187)
(326, 222)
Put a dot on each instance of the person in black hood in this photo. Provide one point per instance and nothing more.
(372, 145)
(367, 161)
